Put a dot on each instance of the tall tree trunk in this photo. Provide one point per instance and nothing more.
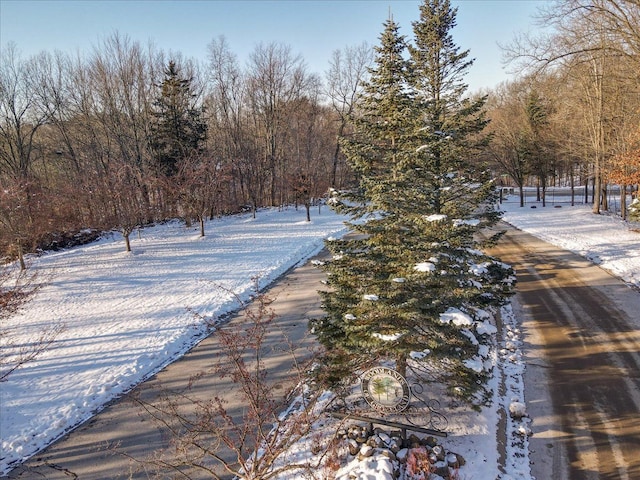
(336, 153)
(23, 265)
(586, 191)
(573, 186)
(595, 191)
(127, 242)
(401, 365)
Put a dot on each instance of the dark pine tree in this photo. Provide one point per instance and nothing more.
(178, 130)
(413, 253)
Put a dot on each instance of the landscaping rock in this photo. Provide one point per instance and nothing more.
(393, 452)
(438, 451)
(517, 410)
(452, 460)
(354, 447)
(431, 441)
(402, 454)
(365, 451)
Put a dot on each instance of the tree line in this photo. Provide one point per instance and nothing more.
(128, 135)
(572, 116)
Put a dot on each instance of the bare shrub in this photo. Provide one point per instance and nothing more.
(247, 432)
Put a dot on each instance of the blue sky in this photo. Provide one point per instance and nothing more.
(312, 28)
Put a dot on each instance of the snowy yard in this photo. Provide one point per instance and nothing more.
(125, 316)
(603, 239)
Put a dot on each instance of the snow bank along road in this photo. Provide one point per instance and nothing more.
(583, 333)
(116, 443)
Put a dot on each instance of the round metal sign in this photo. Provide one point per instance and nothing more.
(385, 390)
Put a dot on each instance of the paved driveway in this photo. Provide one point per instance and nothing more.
(582, 385)
(113, 443)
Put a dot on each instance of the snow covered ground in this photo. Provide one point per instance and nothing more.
(125, 316)
(603, 239)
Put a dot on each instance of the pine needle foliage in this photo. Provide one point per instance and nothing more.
(414, 250)
(178, 130)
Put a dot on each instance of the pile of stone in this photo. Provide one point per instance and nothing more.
(411, 457)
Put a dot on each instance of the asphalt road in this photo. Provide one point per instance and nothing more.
(582, 382)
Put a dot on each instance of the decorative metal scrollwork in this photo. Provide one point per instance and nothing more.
(425, 412)
(420, 411)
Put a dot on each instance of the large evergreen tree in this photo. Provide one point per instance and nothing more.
(413, 255)
(178, 130)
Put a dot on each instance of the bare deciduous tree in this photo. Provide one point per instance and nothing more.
(230, 123)
(591, 45)
(25, 213)
(345, 77)
(509, 147)
(276, 79)
(199, 181)
(21, 115)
